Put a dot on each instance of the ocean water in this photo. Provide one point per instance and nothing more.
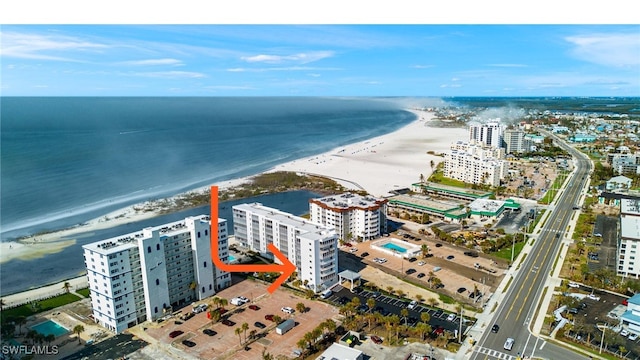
(65, 160)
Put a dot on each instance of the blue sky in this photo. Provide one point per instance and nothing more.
(320, 60)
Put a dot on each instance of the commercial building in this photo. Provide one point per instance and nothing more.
(400, 205)
(624, 163)
(629, 241)
(144, 275)
(351, 215)
(631, 317)
(342, 352)
(311, 247)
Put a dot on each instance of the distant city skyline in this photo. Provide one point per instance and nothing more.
(320, 60)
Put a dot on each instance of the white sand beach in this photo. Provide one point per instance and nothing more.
(378, 165)
(387, 162)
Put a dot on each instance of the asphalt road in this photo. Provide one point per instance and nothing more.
(515, 313)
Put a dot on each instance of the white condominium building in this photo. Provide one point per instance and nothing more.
(489, 133)
(311, 247)
(143, 275)
(476, 164)
(351, 215)
(629, 243)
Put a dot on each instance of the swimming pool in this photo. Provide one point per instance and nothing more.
(392, 246)
(50, 327)
(231, 259)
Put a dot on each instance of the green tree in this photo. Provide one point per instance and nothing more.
(301, 307)
(425, 250)
(238, 332)
(371, 303)
(245, 327)
(425, 317)
(404, 313)
(78, 329)
(66, 287)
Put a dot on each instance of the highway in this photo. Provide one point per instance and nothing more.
(515, 314)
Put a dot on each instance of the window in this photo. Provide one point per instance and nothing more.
(203, 289)
(155, 309)
(209, 286)
(206, 232)
(198, 234)
(149, 249)
(157, 281)
(157, 246)
(205, 264)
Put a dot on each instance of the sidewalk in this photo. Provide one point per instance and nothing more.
(44, 292)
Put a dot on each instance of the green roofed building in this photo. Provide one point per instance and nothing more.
(451, 192)
(486, 208)
(417, 205)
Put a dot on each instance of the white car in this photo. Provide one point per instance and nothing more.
(287, 310)
(633, 337)
(593, 297)
(574, 285)
(244, 299)
(451, 317)
(508, 345)
(421, 263)
(353, 250)
(624, 332)
(412, 305)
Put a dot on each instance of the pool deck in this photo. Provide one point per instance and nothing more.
(411, 249)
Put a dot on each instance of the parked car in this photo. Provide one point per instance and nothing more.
(254, 307)
(353, 250)
(471, 253)
(593, 297)
(421, 263)
(412, 305)
(364, 254)
(268, 317)
(410, 271)
(633, 337)
(624, 333)
(421, 275)
(209, 332)
(451, 317)
(259, 325)
(461, 290)
(175, 333)
(287, 310)
(438, 245)
(450, 257)
(376, 339)
(439, 330)
(228, 322)
(574, 285)
(413, 259)
(188, 343)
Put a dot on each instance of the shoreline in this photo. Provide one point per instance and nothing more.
(377, 165)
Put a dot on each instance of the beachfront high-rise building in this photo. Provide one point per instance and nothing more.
(311, 247)
(475, 163)
(144, 275)
(351, 215)
(514, 141)
(488, 133)
(629, 243)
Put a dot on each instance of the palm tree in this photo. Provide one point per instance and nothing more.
(301, 307)
(420, 298)
(2, 304)
(214, 315)
(371, 303)
(245, 327)
(66, 287)
(423, 328)
(432, 301)
(401, 294)
(302, 343)
(425, 317)
(390, 289)
(266, 355)
(252, 334)
(238, 332)
(78, 329)
(425, 250)
(277, 319)
(223, 302)
(404, 313)
(330, 325)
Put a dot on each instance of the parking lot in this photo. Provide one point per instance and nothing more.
(390, 305)
(225, 342)
(447, 262)
(606, 227)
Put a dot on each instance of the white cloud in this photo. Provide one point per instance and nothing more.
(422, 66)
(303, 58)
(617, 50)
(508, 65)
(289, 68)
(153, 62)
(170, 74)
(44, 47)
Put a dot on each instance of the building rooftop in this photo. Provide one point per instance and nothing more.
(340, 352)
(453, 189)
(630, 227)
(439, 206)
(485, 206)
(127, 241)
(307, 228)
(635, 299)
(349, 201)
(630, 206)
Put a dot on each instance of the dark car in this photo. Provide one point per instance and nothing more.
(413, 259)
(471, 253)
(209, 332)
(438, 245)
(421, 275)
(461, 290)
(450, 257)
(268, 317)
(410, 271)
(254, 307)
(188, 343)
(439, 286)
(495, 328)
(175, 333)
(439, 330)
(364, 254)
(259, 325)
(376, 339)
(228, 322)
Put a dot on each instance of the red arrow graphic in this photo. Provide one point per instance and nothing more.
(286, 268)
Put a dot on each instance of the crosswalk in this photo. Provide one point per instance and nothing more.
(494, 353)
